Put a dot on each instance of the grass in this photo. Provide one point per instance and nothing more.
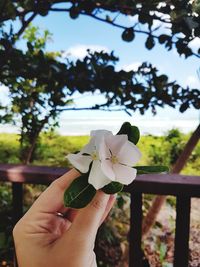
(53, 148)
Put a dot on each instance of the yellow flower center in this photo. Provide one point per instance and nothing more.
(94, 156)
(114, 159)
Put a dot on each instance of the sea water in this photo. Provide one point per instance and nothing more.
(83, 125)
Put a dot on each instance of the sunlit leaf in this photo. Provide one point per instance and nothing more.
(151, 169)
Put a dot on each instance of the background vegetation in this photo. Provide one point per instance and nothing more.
(51, 151)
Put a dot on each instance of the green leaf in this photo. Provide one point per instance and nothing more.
(120, 201)
(163, 38)
(43, 8)
(112, 188)
(150, 42)
(128, 34)
(108, 18)
(79, 193)
(184, 107)
(43, 12)
(125, 128)
(134, 135)
(151, 169)
(74, 12)
(163, 251)
(132, 132)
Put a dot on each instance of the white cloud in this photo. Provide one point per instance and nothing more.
(193, 81)
(4, 95)
(80, 50)
(195, 44)
(133, 19)
(3, 89)
(133, 66)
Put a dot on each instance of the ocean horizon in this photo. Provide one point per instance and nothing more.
(82, 122)
(76, 126)
(83, 126)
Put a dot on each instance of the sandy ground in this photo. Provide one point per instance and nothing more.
(165, 238)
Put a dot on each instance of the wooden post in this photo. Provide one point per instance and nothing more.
(181, 252)
(158, 201)
(135, 253)
(17, 201)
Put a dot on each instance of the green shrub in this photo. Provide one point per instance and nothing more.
(52, 149)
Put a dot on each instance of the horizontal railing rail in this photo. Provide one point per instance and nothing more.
(182, 186)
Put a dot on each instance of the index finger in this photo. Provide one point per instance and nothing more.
(51, 200)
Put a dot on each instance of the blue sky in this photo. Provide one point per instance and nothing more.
(89, 32)
(75, 36)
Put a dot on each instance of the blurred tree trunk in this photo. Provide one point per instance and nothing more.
(28, 156)
(158, 201)
(29, 140)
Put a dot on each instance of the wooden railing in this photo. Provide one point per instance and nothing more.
(183, 187)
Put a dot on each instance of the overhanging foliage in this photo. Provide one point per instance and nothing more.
(42, 84)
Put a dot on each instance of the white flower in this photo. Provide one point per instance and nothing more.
(90, 154)
(112, 158)
(118, 156)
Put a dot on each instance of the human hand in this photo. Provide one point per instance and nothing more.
(44, 239)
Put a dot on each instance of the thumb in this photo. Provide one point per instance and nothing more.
(89, 218)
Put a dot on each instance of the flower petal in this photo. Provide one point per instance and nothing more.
(129, 154)
(80, 162)
(124, 174)
(99, 135)
(106, 167)
(90, 147)
(96, 177)
(104, 152)
(115, 142)
(100, 132)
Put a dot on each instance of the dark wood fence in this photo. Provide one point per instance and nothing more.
(181, 186)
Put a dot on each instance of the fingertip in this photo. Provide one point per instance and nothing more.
(113, 197)
(88, 219)
(67, 178)
(109, 206)
(100, 200)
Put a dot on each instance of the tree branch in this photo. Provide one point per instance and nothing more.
(16, 36)
(56, 9)
(3, 7)
(91, 108)
(114, 24)
(24, 26)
